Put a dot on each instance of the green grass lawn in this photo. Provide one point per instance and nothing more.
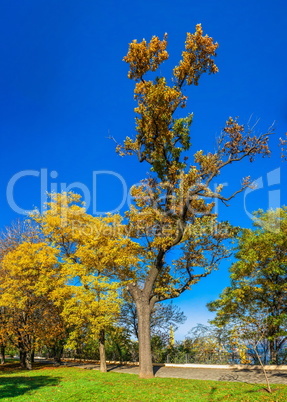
(74, 384)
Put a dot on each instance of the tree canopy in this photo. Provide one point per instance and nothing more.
(173, 207)
(258, 281)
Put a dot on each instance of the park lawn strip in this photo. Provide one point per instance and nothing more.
(72, 384)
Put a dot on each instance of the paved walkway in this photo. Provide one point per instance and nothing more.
(248, 376)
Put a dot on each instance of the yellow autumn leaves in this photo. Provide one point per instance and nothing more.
(30, 279)
(160, 137)
(196, 59)
(143, 57)
(60, 281)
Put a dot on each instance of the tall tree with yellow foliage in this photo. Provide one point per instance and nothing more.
(174, 208)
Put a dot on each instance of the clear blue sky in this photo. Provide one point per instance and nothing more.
(64, 90)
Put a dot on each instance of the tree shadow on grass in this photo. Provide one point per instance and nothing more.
(19, 385)
(15, 367)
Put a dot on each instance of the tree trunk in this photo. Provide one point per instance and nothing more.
(2, 353)
(103, 364)
(28, 360)
(145, 356)
(33, 356)
(22, 354)
(119, 350)
(58, 352)
(25, 358)
(263, 369)
(273, 352)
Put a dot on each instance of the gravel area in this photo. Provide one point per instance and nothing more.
(248, 376)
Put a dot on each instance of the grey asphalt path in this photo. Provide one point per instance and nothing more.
(249, 376)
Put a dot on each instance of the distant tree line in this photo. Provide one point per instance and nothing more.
(54, 302)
